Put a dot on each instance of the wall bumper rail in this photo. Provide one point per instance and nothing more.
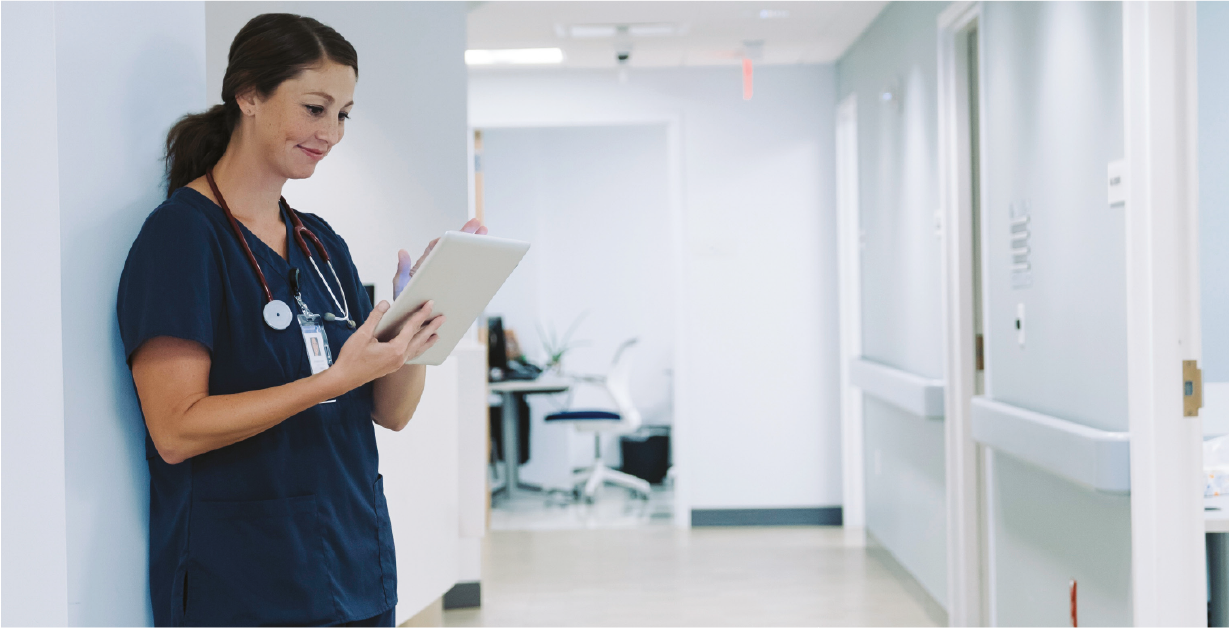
(1085, 455)
(914, 393)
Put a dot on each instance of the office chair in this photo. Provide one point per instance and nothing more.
(600, 421)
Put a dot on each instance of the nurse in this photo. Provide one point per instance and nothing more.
(250, 340)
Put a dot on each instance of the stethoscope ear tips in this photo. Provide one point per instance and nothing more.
(330, 316)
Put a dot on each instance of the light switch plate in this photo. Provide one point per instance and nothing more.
(1116, 183)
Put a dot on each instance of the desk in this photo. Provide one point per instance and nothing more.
(1215, 514)
(508, 390)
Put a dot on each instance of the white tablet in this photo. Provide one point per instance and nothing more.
(461, 275)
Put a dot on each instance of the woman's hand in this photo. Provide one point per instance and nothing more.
(363, 358)
(405, 269)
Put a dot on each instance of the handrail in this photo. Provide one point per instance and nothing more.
(1079, 453)
(916, 394)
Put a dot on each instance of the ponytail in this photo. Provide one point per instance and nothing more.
(197, 142)
(268, 50)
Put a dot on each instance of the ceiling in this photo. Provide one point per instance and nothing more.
(671, 34)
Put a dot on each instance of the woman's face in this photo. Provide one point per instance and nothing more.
(305, 117)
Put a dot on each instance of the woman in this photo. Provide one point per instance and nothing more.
(265, 502)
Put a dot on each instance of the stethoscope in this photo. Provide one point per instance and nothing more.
(277, 313)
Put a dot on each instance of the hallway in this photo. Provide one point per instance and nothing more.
(709, 576)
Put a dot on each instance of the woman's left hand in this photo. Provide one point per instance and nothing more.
(405, 270)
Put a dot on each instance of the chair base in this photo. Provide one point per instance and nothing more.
(599, 474)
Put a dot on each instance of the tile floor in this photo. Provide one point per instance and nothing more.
(614, 508)
(619, 562)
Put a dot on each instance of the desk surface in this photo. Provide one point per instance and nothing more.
(1215, 514)
(541, 385)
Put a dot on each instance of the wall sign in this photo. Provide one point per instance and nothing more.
(1019, 239)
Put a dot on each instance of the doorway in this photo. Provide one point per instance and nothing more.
(594, 201)
(969, 548)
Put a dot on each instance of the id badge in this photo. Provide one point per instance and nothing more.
(316, 341)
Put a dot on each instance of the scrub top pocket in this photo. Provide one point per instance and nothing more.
(256, 563)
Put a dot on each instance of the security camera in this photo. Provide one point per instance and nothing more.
(623, 44)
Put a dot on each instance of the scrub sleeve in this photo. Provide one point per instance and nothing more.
(289, 526)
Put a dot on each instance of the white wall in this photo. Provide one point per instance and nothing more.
(90, 90)
(125, 73)
(399, 177)
(583, 196)
(397, 180)
(756, 405)
(757, 420)
(420, 466)
(33, 560)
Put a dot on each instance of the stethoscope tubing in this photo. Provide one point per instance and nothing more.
(299, 232)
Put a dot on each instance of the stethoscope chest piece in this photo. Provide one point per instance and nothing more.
(278, 315)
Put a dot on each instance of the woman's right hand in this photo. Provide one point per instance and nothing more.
(363, 358)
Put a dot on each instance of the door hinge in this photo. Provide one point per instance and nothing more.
(1193, 390)
(978, 360)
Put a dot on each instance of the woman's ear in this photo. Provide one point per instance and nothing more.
(248, 102)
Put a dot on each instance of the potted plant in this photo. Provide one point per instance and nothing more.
(557, 347)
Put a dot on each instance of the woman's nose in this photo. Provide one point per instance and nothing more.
(331, 133)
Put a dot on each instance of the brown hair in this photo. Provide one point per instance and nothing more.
(268, 50)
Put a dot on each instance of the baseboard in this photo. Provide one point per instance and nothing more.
(912, 586)
(464, 595)
(714, 517)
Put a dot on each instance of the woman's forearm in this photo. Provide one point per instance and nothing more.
(397, 396)
(211, 422)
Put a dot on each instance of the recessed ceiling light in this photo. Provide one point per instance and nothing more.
(654, 30)
(773, 14)
(604, 31)
(591, 31)
(515, 56)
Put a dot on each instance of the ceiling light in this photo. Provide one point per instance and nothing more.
(606, 31)
(653, 30)
(773, 14)
(591, 31)
(515, 56)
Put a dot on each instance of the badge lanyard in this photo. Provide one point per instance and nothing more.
(277, 313)
(314, 337)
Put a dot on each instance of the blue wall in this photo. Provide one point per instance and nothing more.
(902, 306)
(1051, 121)
(1212, 68)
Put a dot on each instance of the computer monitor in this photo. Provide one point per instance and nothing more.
(497, 349)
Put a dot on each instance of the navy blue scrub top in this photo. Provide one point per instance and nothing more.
(289, 526)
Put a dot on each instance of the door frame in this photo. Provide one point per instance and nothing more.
(1163, 312)
(969, 596)
(849, 285)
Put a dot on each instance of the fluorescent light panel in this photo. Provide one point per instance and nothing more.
(515, 56)
(606, 31)
(773, 14)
